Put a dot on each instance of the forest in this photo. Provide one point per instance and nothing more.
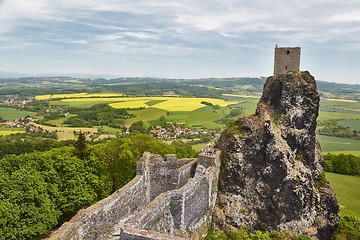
(41, 190)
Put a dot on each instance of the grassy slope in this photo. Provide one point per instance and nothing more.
(347, 190)
(145, 115)
(206, 116)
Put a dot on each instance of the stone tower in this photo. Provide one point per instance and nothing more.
(286, 60)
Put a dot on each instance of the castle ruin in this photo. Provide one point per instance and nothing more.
(287, 59)
(167, 199)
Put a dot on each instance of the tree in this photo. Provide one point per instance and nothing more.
(119, 158)
(26, 209)
(42, 189)
(137, 127)
(162, 120)
(80, 147)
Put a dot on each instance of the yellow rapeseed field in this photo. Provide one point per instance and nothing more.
(340, 100)
(170, 103)
(5, 133)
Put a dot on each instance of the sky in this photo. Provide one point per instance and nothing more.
(179, 39)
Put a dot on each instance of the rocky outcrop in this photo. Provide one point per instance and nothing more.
(271, 175)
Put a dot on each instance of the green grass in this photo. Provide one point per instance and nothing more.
(178, 116)
(324, 116)
(206, 116)
(146, 115)
(347, 189)
(59, 122)
(248, 106)
(338, 106)
(330, 144)
(199, 146)
(12, 113)
(110, 130)
(154, 102)
(353, 124)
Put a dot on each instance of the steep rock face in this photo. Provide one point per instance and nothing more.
(271, 174)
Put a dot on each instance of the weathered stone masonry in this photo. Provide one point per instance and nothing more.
(167, 198)
(286, 59)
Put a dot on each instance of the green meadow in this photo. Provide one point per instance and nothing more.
(330, 144)
(347, 189)
(12, 113)
(324, 115)
(147, 115)
(353, 124)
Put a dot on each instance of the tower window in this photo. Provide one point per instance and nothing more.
(288, 52)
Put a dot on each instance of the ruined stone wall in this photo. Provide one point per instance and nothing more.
(163, 174)
(155, 175)
(100, 217)
(173, 214)
(286, 60)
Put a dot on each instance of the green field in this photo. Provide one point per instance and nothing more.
(59, 122)
(352, 124)
(202, 117)
(330, 144)
(324, 115)
(339, 105)
(12, 113)
(205, 117)
(65, 133)
(347, 190)
(146, 115)
(108, 129)
(199, 146)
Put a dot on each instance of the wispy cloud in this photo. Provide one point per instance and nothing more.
(222, 28)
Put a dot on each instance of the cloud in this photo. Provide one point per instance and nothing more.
(346, 17)
(191, 28)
